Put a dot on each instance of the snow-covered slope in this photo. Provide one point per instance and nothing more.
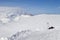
(52, 35)
(36, 35)
(11, 23)
(35, 23)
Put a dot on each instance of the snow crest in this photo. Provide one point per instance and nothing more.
(20, 35)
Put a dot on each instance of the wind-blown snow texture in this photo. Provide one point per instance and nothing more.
(13, 22)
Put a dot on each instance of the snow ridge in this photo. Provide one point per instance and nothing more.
(20, 35)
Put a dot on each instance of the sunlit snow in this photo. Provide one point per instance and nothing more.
(13, 23)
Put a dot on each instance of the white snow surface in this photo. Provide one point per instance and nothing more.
(34, 23)
(39, 24)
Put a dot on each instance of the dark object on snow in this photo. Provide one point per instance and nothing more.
(51, 27)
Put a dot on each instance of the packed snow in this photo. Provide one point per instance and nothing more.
(28, 27)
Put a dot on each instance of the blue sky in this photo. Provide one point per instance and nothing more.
(35, 6)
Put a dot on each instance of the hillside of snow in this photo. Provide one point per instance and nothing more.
(34, 23)
(14, 22)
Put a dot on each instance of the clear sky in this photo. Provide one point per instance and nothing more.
(35, 6)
